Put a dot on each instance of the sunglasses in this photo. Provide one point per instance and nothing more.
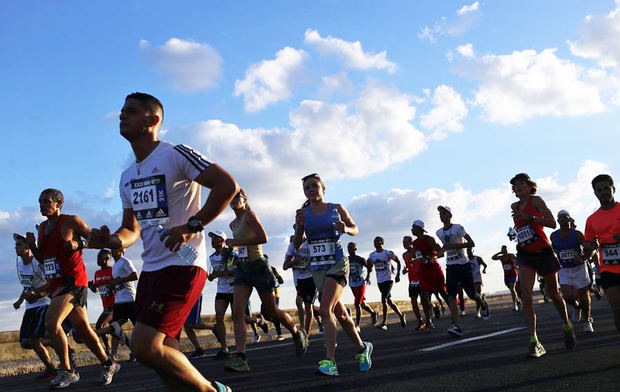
(313, 175)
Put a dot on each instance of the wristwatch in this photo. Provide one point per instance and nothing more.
(195, 224)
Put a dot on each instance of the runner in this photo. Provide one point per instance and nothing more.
(458, 267)
(534, 255)
(603, 226)
(574, 279)
(381, 260)
(276, 291)
(412, 269)
(194, 321)
(299, 261)
(124, 274)
(431, 276)
(162, 188)
(323, 224)
(357, 282)
(253, 272)
(32, 330)
(100, 284)
(476, 263)
(60, 244)
(509, 266)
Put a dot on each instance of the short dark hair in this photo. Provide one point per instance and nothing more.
(55, 194)
(408, 237)
(148, 102)
(524, 177)
(601, 178)
(105, 253)
(379, 238)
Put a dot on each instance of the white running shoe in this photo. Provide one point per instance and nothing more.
(588, 325)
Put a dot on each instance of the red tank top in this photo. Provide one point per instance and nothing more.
(422, 248)
(62, 267)
(413, 266)
(102, 277)
(531, 236)
(508, 264)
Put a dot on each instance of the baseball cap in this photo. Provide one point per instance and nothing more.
(18, 237)
(418, 223)
(563, 212)
(218, 233)
(520, 176)
(445, 208)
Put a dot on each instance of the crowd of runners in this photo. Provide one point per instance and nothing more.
(160, 194)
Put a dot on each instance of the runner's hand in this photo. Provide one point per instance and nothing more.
(397, 278)
(175, 237)
(99, 238)
(17, 304)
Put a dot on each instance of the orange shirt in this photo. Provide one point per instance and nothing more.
(602, 226)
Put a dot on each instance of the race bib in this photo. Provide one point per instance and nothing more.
(356, 273)
(51, 267)
(104, 290)
(418, 255)
(380, 266)
(414, 283)
(611, 253)
(27, 280)
(526, 235)
(454, 254)
(567, 255)
(507, 267)
(322, 252)
(150, 200)
(242, 251)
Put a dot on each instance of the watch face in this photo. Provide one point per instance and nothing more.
(195, 224)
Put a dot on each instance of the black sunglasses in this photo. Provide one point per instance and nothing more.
(313, 175)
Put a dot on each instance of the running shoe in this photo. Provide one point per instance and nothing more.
(363, 357)
(327, 368)
(256, 338)
(47, 375)
(108, 372)
(437, 311)
(373, 318)
(64, 378)
(455, 330)
(478, 315)
(279, 338)
(429, 326)
(536, 350)
(219, 387)
(570, 341)
(421, 325)
(463, 313)
(263, 324)
(300, 342)
(117, 332)
(486, 312)
(382, 327)
(515, 308)
(403, 321)
(221, 355)
(588, 325)
(197, 353)
(237, 365)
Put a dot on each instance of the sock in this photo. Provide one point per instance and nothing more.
(568, 326)
(534, 339)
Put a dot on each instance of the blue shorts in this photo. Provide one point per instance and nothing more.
(194, 314)
(510, 279)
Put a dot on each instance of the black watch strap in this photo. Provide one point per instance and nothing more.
(195, 224)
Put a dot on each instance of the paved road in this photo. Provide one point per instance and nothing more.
(406, 360)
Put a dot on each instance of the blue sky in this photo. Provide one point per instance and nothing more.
(401, 106)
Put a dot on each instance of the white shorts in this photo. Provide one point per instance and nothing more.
(574, 276)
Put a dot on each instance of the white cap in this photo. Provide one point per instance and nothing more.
(445, 208)
(563, 212)
(218, 233)
(418, 223)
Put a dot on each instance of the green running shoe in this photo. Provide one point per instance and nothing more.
(237, 365)
(363, 358)
(327, 368)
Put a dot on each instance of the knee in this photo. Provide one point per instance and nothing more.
(325, 312)
(144, 350)
(219, 318)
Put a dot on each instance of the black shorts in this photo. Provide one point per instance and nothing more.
(414, 290)
(256, 274)
(609, 279)
(224, 297)
(123, 312)
(544, 261)
(386, 289)
(33, 323)
(306, 290)
(80, 294)
(460, 274)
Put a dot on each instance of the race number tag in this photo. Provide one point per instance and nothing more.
(51, 267)
(380, 265)
(322, 252)
(414, 283)
(454, 254)
(567, 255)
(104, 290)
(507, 267)
(418, 255)
(525, 235)
(611, 253)
(150, 201)
(242, 251)
(356, 273)
(27, 280)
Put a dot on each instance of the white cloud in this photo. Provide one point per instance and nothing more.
(447, 114)
(600, 37)
(268, 81)
(526, 83)
(466, 50)
(468, 8)
(190, 66)
(350, 52)
(335, 84)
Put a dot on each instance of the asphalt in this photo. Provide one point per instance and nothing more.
(490, 357)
